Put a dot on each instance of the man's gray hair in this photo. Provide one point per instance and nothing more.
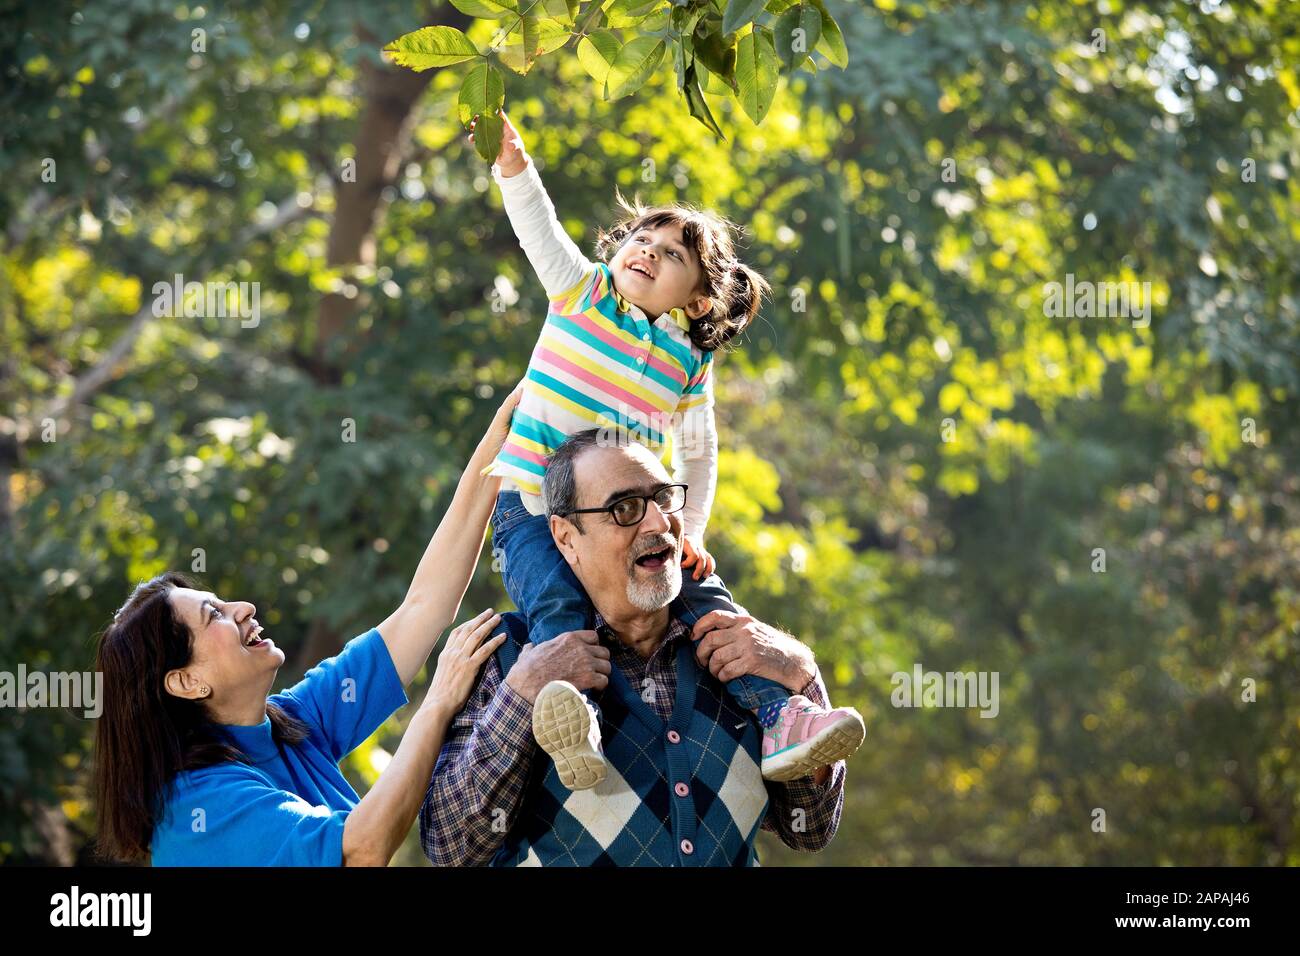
(559, 487)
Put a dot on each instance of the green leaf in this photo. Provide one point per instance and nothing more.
(431, 47)
(565, 11)
(712, 50)
(683, 56)
(488, 133)
(831, 45)
(597, 52)
(699, 107)
(529, 39)
(635, 64)
(800, 17)
(622, 14)
(757, 73)
(657, 22)
(685, 18)
(482, 94)
(711, 83)
(486, 9)
(739, 13)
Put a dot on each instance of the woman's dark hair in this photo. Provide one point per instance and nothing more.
(145, 736)
(736, 290)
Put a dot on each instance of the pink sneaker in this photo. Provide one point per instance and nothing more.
(806, 737)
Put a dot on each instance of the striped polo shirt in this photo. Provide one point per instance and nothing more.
(597, 365)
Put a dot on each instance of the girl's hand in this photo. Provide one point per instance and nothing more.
(695, 555)
(512, 158)
(460, 661)
(496, 433)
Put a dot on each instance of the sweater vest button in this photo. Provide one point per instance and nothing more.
(674, 737)
(681, 790)
(688, 847)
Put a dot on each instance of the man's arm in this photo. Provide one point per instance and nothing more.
(479, 780)
(804, 813)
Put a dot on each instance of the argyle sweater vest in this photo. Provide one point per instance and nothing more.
(685, 793)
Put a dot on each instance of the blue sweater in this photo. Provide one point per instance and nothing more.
(288, 805)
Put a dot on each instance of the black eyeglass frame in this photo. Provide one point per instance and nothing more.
(609, 509)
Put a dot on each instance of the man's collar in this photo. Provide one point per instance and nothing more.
(677, 630)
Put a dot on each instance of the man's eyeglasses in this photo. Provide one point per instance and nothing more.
(630, 510)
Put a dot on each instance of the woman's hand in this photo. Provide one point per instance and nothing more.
(377, 825)
(496, 433)
(460, 661)
(512, 158)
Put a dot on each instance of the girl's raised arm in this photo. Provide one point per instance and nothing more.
(556, 258)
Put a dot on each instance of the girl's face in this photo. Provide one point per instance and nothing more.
(232, 657)
(656, 271)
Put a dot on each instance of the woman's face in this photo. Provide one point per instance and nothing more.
(232, 657)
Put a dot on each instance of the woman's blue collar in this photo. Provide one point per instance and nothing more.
(254, 740)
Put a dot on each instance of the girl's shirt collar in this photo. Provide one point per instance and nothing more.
(678, 316)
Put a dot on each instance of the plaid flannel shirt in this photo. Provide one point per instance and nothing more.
(479, 781)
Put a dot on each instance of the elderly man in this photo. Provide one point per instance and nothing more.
(683, 786)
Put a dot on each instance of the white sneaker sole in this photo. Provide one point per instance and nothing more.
(562, 727)
(836, 742)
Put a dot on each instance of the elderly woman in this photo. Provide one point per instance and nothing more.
(196, 766)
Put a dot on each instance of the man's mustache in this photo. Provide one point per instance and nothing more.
(651, 544)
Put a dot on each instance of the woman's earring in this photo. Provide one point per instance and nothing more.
(205, 690)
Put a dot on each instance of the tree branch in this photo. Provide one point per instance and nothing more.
(107, 368)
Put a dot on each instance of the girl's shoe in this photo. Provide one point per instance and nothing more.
(806, 737)
(565, 725)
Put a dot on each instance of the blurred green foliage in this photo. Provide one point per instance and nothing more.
(918, 464)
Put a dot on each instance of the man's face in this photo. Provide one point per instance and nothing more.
(624, 569)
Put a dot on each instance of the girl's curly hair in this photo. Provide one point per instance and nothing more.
(736, 290)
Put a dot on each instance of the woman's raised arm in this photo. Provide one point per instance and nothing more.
(434, 596)
(377, 825)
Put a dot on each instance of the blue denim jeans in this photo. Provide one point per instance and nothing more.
(548, 593)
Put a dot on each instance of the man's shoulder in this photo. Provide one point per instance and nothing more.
(515, 626)
(503, 659)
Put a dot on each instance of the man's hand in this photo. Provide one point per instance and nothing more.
(575, 656)
(694, 555)
(734, 644)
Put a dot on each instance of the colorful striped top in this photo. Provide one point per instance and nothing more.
(600, 361)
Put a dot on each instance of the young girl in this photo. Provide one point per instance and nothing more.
(628, 344)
